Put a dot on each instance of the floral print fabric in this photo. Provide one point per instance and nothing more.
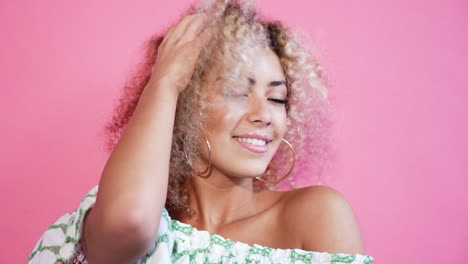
(177, 243)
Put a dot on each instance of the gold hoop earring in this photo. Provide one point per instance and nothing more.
(207, 172)
(289, 171)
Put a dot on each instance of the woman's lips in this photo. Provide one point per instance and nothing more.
(254, 148)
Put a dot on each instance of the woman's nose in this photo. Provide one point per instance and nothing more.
(259, 111)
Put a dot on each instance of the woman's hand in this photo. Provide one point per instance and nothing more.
(179, 51)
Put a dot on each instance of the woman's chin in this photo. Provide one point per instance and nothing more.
(250, 174)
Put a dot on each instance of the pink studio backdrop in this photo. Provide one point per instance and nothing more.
(397, 69)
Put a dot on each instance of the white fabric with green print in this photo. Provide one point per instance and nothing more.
(177, 242)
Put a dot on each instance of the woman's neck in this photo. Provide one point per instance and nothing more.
(219, 200)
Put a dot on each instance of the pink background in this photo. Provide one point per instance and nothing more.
(399, 75)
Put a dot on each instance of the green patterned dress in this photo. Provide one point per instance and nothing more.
(177, 243)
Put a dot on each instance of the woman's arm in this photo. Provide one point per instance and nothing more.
(123, 224)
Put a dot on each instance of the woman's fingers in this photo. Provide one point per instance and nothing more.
(179, 30)
(203, 36)
(171, 36)
(195, 27)
(180, 48)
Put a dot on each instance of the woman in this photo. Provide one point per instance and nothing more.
(215, 111)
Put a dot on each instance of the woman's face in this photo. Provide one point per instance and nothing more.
(245, 125)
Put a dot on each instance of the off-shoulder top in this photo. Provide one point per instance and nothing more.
(177, 242)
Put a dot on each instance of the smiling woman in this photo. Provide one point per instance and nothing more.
(225, 106)
(244, 123)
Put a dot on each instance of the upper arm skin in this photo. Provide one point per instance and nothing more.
(121, 244)
(324, 220)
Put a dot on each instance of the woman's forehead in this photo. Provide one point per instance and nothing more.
(261, 66)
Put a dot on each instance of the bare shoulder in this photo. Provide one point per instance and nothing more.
(323, 219)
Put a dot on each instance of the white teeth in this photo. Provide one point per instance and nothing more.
(253, 141)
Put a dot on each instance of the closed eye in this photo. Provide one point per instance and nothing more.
(279, 101)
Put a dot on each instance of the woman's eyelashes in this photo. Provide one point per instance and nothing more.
(275, 100)
(279, 101)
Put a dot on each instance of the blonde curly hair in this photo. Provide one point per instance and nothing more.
(239, 30)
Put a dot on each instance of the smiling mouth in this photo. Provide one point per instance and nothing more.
(252, 141)
(253, 144)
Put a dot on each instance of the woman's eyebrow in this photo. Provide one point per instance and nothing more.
(270, 84)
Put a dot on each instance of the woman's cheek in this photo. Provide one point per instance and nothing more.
(236, 101)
